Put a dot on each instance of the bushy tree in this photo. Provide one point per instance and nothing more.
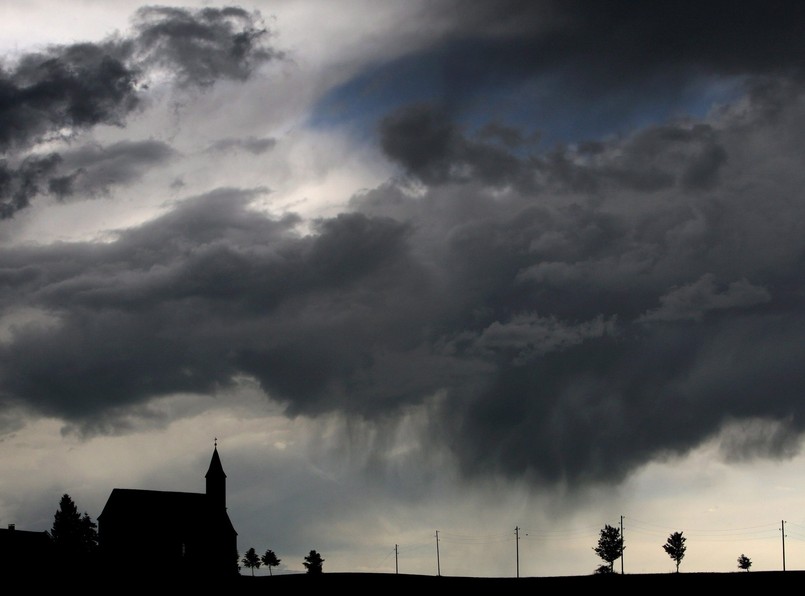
(251, 560)
(313, 563)
(610, 546)
(744, 562)
(270, 560)
(675, 547)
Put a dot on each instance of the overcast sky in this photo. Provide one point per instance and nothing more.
(436, 275)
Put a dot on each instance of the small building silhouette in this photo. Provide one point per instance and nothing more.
(155, 533)
(22, 551)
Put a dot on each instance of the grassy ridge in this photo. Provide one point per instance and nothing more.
(685, 581)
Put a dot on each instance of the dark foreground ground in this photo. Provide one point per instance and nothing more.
(681, 581)
(124, 581)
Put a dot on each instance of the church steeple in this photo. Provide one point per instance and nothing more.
(216, 480)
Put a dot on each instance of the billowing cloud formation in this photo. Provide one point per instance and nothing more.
(202, 46)
(526, 308)
(63, 89)
(567, 314)
(60, 91)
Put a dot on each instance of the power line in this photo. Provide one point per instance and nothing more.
(639, 530)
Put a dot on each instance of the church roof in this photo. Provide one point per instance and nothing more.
(149, 506)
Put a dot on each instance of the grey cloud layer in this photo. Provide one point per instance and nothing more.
(644, 41)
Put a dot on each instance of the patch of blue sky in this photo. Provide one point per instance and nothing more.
(362, 101)
(561, 115)
(561, 105)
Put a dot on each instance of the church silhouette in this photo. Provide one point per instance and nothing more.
(156, 533)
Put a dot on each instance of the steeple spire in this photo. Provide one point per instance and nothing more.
(216, 479)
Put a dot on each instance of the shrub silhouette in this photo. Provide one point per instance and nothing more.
(313, 563)
(744, 562)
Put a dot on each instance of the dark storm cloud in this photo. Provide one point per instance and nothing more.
(599, 47)
(565, 315)
(56, 93)
(637, 37)
(429, 145)
(639, 296)
(48, 94)
(297, 312)
(562, 332)
(424, 140)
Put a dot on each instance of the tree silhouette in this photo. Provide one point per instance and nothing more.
(75, 537)
(675, 547)
(744, 562)
(270, 560)
(251, 560)
(610, 546)
(313, 563)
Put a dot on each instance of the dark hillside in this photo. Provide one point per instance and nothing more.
(116, 580)
(652, 581)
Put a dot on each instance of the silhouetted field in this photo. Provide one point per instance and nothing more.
(650, 581)
(173, 583)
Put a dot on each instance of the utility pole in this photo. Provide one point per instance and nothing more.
(396, 560)
(622, 545)
(782, 531)
(438, 564)
(517, 547)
